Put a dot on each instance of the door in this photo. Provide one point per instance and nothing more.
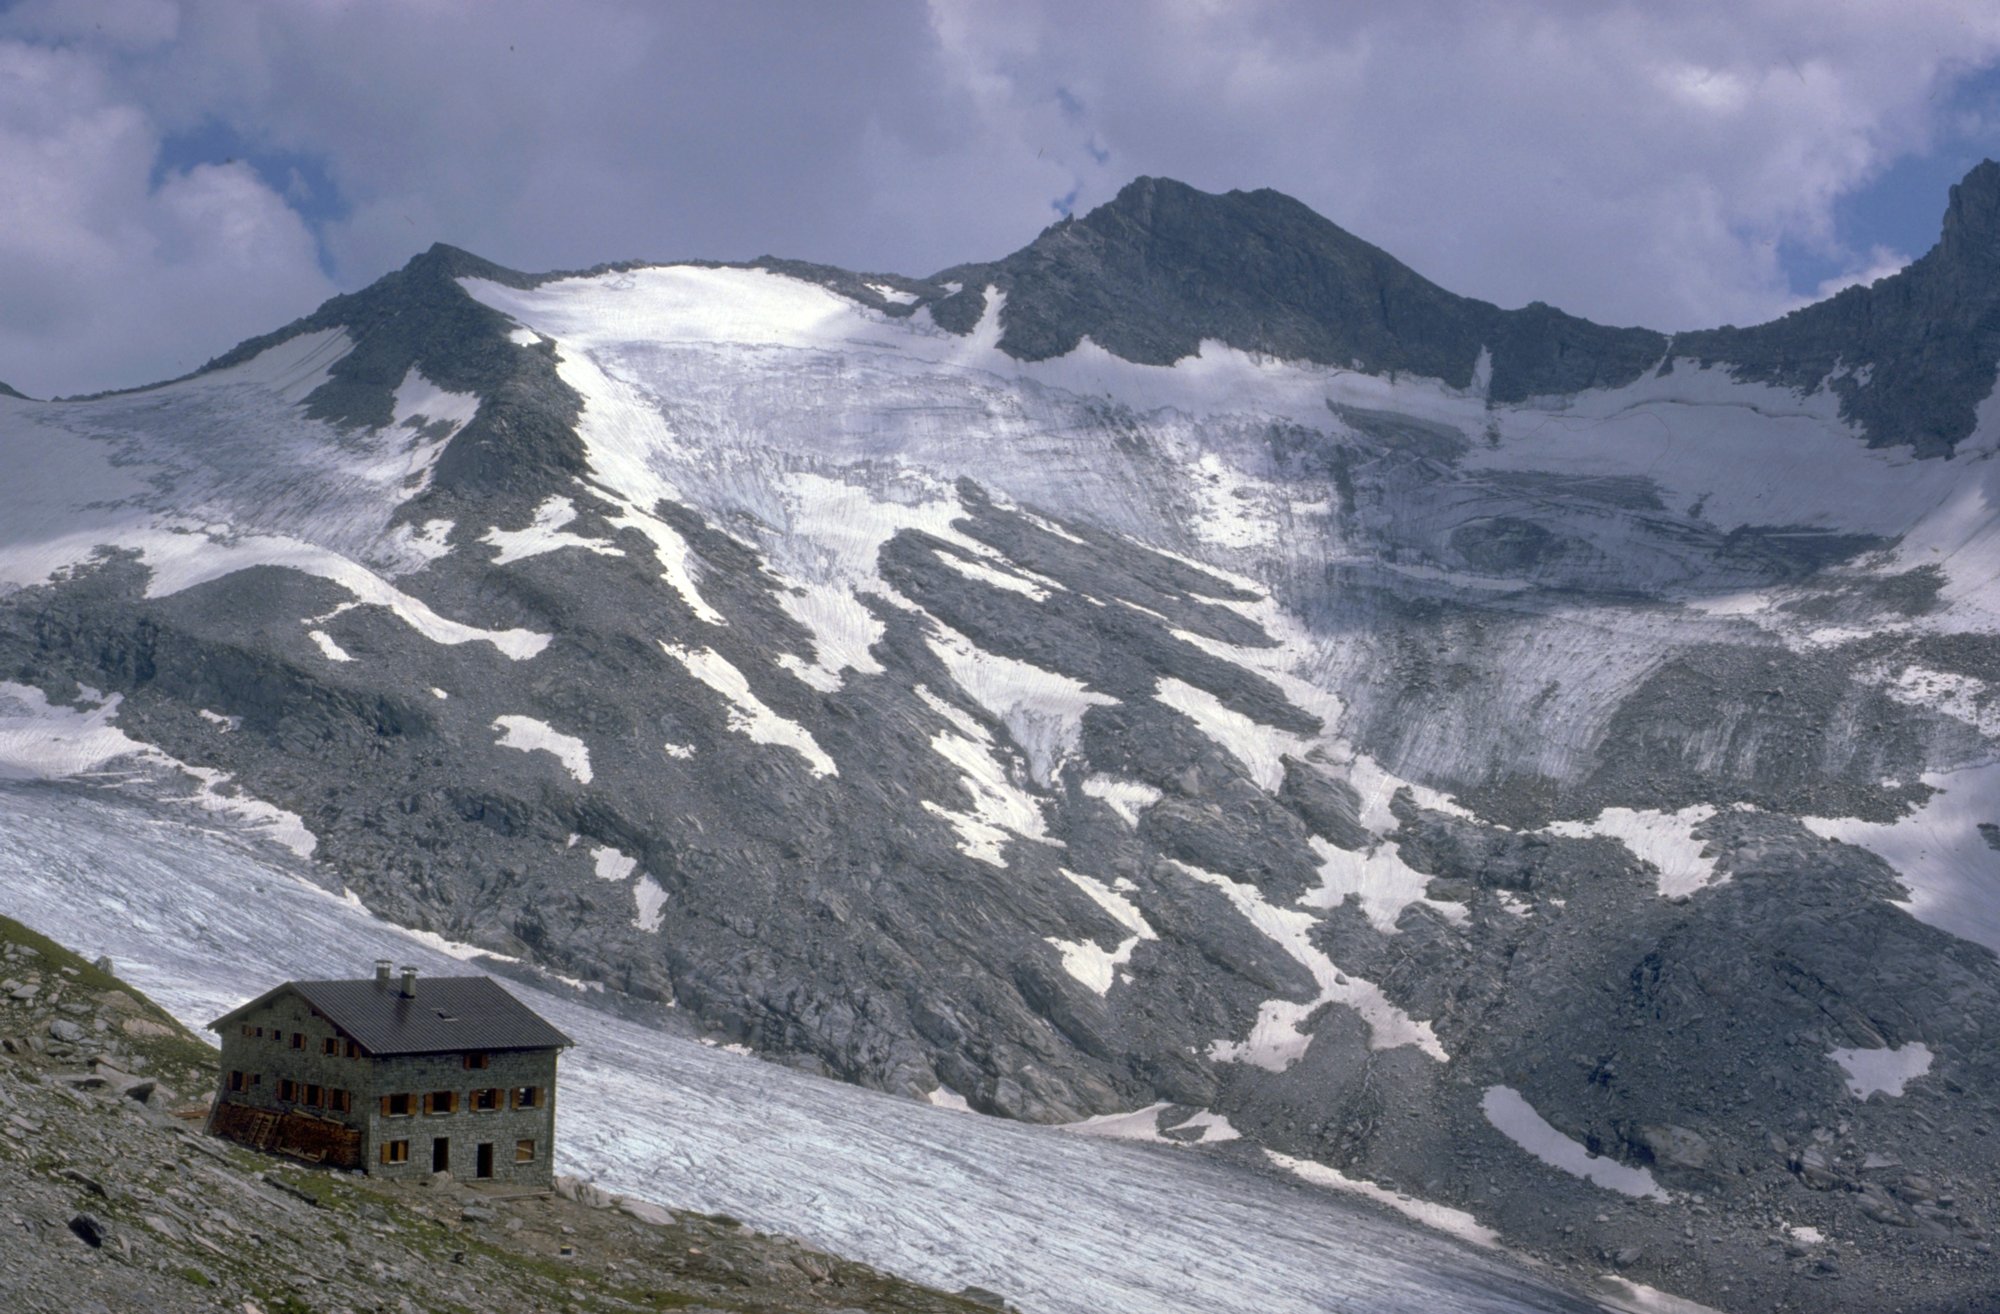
(484, 1167)
(441, 1154)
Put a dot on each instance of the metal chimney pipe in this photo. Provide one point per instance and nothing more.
(382, 968)
(409, 983)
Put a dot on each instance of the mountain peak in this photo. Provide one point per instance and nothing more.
(1162, 267)
(1972, 218)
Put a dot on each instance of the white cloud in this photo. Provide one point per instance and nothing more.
(113, 277)
(1631, 163)
(1881, 262)
(1634, 163)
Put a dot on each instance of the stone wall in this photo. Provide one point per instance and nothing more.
(466, 1129)
(270, 1059)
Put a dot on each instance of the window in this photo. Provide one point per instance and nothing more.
(340, 1101)
(288, 1089)
(524, 1151)
(236, 1081)
(329, 1046)
(277, 1036)
(398, 1106)
(441, 1101)
(353, 1050)
(313, 1096)
(490, 1100)
(252, 1032)
(527, 1097)
(476, 1061)
(395, 1151)
(256, 1079)
(298, 1040)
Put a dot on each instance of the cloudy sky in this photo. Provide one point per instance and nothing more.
(176, 175)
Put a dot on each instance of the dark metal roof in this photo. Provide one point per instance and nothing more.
(448, 1014)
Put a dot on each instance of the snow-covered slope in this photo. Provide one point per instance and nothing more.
(1191, 666)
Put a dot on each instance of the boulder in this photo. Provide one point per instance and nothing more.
(1678, 1147)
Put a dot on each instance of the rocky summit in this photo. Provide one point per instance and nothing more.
(1193, 664)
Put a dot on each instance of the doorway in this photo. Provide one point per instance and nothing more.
(441, 1154)
(484, 1166)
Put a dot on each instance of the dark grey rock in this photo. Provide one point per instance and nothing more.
(87, 1229)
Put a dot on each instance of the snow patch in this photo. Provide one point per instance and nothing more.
(1664, 839)
(1276, 1040)
(748, 716)
(419, 403)
(545, 534)
(1042, 709)
(181, 560)
(624, 435)
(676, 558)
(532, 736)
(944, 1097)
(1379, 880)
(1938, 851)
(1513, 1117)
(333, 651)
(649, 902)
(1128, 798)
(1962, 696)
(223, 724)
(1138, 1125)
(827, 538)
(980, 571)
(843, 632)
(1096, 968)
(1084, 959)
(1000, 807)
(1886, 1071)
(1260, 748)
(611, 865)
(1439, 1217)
(1622, 1294)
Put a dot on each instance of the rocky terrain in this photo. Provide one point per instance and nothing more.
(114, 1200)
(1193, 660)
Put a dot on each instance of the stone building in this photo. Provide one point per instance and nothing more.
(393, 1077)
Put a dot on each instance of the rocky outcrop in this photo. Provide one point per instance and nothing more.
(1162, 267)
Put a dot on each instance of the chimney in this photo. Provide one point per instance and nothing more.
(409, 983)
(382, 966)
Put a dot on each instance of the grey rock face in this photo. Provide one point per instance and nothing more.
(1154, 272)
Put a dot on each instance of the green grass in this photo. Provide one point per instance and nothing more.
(179, 1056)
